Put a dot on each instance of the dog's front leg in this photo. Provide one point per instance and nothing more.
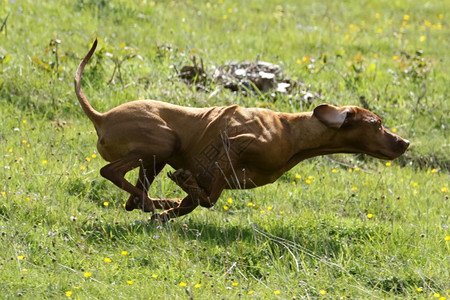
(186, 181)
(196, 195)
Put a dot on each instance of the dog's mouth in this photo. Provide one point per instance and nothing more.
(390, 154)
(381, 155)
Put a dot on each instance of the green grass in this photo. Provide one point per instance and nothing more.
(380, 231)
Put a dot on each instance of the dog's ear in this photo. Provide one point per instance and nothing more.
(331, 116)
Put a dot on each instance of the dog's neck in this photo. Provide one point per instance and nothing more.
(309, 137)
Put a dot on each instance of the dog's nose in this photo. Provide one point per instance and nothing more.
(404, 144)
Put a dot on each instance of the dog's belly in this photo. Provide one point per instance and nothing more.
(237, 173)
(249, 177)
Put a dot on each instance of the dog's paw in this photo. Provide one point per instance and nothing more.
(173, 175)
(180, 176)
(135, 202)
(160, 218)
(131, 203)
(148, 208)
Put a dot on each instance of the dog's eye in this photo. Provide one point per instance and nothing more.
(375, 122)
(379, 125)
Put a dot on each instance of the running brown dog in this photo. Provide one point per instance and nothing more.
(219, 148)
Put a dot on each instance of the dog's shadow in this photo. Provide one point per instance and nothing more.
(220, 232)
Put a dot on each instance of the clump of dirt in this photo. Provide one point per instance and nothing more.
(256, 76)
(247, 77)
(195, 75)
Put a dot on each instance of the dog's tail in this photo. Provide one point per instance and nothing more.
(92, 114)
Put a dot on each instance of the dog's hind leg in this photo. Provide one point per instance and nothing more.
(116, 171)
(147, 174)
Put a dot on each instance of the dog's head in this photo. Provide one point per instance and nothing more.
(358, 130)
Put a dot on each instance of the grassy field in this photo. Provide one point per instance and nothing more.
(343, 226)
